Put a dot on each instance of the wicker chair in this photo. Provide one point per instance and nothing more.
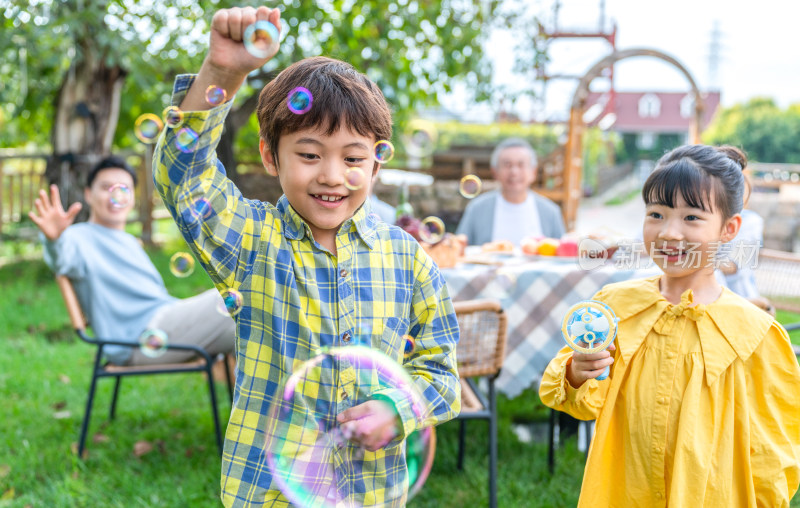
(202, 363)
(778, 280)
(481, 351)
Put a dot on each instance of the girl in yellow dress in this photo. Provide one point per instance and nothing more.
(702, 405)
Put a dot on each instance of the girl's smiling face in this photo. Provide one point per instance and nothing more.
(683, 240)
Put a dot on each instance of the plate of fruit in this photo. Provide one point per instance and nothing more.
(553, 248)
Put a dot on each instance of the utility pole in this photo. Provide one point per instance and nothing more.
(714, 57)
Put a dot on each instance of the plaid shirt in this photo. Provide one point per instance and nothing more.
(298, 297)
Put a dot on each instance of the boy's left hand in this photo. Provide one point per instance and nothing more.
(370, 425)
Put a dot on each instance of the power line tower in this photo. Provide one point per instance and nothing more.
(602, 33)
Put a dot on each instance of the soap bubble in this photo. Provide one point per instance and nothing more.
(302, 432)
(153, 343)
(186, 140)
(260, 37)
(420, 452)
(431, 230)
(384, 151)
(181, 264)
(420, 138)
(408, 345)
(147, 127)
(201, 209)
(232, 302)
(119, 195)
(470, 186)
(173, 116)
(354, 178)
(299, 100)
(215, 95)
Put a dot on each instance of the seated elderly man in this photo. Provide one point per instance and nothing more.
(116, 282)
(515, 211)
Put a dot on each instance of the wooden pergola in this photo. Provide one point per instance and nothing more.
(570, 193)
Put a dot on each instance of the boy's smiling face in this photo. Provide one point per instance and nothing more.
(312, 167)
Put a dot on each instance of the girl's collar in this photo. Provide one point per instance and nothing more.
(728, 328)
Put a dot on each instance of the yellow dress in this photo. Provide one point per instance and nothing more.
(702, 406)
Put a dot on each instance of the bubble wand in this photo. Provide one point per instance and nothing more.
(592, 323)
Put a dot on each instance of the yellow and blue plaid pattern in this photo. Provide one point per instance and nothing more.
(298, 298)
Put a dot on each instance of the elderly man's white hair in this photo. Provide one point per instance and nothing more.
(513, 143)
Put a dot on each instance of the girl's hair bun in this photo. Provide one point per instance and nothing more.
(734, 154)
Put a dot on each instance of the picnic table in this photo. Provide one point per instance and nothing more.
(536, 293)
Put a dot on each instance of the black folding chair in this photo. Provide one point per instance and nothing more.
(481, 351)
(202, 363)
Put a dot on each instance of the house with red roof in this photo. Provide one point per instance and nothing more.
(648, 116)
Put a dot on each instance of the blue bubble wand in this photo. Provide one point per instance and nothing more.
(592, 323)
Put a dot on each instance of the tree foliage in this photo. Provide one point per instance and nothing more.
(413, 49)
(765, 131)
(43, 41)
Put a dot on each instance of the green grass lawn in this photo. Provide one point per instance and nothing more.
(44, 373)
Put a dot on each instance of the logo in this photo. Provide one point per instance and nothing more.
(592, 254)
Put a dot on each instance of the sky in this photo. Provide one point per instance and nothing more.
(759, 51)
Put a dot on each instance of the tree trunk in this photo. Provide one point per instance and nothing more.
(237, 119)
(87, 112)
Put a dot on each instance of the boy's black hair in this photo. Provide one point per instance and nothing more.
(697, 171)
(340, 97)
(110, 162)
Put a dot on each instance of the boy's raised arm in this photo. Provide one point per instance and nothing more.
(220, 225)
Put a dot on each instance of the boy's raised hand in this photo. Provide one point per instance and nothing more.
(228, 62)
(370, 425)
(50, 216)
(588, 366)
(226, 49)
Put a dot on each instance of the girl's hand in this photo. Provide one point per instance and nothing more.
(588, 366)
(370, 425)
(50, 216)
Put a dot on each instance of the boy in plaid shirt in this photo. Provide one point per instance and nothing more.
(313, 270)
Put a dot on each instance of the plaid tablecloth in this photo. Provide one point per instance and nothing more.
(535, 296)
